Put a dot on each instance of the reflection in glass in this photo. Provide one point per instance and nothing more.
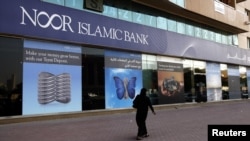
(161, 23)
(149, 76)
(93, 79)
(200, 81)
(188, 81)
(77, 4)
(213, 77)
(234, 81)
(172, 24)
(243, 82)
(224, 81)
(11, 76)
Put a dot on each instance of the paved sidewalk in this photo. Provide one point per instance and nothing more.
(176, 124)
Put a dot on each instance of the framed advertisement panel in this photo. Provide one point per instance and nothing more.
(170, 82)
(51, 78)
(123, 78)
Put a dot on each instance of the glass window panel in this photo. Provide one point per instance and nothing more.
(149, 62)
(200, 80)
(169, 59)
(11, 76)
(150, 20)
(149, 74)
(197, 32)
(181, 27)
(93, 91)
(230, 39)
(213, 36)
(248, 42)
(181, 3)
(224, 81)
(199, 66)
(235, 40)
(125, 15)
(205, 34)
(188, 80)
(110, 11)
(243, 81)
(59, 2)
(189, 30)
(138, 18)
(77, 4)
(162, 23)
(171, 25)
(210, 35)
(224, 39)
(218, 37)
(173, 1)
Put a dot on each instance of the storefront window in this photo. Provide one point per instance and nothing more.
(234, 82)
(224, 81)
(243, 82)
(11, 76)
(200, 81)
(189, 91)
(213, 81)
(93, 92)
(248, 80)
(149, 73)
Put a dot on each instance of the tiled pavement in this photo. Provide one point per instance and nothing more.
(184, 123)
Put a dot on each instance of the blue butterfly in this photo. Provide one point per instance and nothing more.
(125, 88)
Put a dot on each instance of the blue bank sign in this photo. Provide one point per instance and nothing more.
(42, 20)
(34, 18)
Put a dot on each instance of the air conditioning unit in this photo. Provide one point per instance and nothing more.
(247, 22)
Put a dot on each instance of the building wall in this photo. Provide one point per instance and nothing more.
(232, 16)
(170, 57)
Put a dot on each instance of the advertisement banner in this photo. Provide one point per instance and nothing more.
(170, 83)
(123, 78)
(52, 78)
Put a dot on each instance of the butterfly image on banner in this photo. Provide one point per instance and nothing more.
(125, 88)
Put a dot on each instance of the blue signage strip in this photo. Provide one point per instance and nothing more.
(35, 18)
(38, 19)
